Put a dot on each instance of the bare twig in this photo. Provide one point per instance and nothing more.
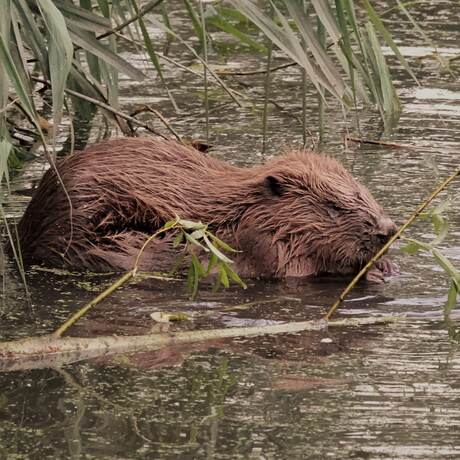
(232, 93)
(147, 108)
(377, 142)
(225, 73)
(107, 107)
(382, 251)
(143, 11)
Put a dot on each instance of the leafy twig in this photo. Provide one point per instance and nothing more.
(199, 236)
(382, 251)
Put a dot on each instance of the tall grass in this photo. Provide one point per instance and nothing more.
(72, 47)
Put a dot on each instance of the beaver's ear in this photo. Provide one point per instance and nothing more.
(274, 185)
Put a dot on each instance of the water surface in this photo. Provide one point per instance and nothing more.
(370, 392)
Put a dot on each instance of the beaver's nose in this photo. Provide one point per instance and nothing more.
(385, 229)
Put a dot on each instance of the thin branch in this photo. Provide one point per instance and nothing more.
(225, 73)
(147, 108)
(377, 142)
(382, 251)
(113, 287)
(107, 107)
(143, 11)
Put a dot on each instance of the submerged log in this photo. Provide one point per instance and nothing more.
(52, 351)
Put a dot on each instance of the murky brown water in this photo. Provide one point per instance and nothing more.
(371, 392)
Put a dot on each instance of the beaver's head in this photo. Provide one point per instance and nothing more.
(317, 216)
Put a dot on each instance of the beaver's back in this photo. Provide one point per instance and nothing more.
(130, 184)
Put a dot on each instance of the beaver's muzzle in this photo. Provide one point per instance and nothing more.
(385, 230)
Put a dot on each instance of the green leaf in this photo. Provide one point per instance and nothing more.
(195, 242)
(378, 24)
(60, 55)
(441, 227)
(443, 206)
(19, 53)
(222, 24)
(414, 246)
(212, 262)
(15, 78)
(390, 102)
(220, 255)
(446, 264)
(195, 21)
(223, 278)
(326, 16)
(152, 53)
(221, 244)
(5, 150)
(199, 269)
(170, 224)
(198, 234)
(286, 39)
(234, 276)
(192, 281)
(5, 34)
(92, 45)
(177, 263)
(178, 239)
(190, 224)
(231, 13)
(83, 18)
(34, 38)
(451, 299)
(324, 62)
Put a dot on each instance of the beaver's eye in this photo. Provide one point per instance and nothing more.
(334, 206)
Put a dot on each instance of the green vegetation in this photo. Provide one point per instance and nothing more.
(436, 216)
(71, 48)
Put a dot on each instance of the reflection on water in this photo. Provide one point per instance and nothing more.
(370, 392)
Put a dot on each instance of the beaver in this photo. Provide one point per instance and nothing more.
(299, 215)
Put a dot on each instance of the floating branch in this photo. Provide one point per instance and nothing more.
(51, 351)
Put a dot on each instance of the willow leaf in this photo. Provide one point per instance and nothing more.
(447, 265)
(192, 280)
(223, 277)
(219, 254)
(235, 277)
(441, 228)
(451, 299)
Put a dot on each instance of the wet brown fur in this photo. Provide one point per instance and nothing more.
(300, 214)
